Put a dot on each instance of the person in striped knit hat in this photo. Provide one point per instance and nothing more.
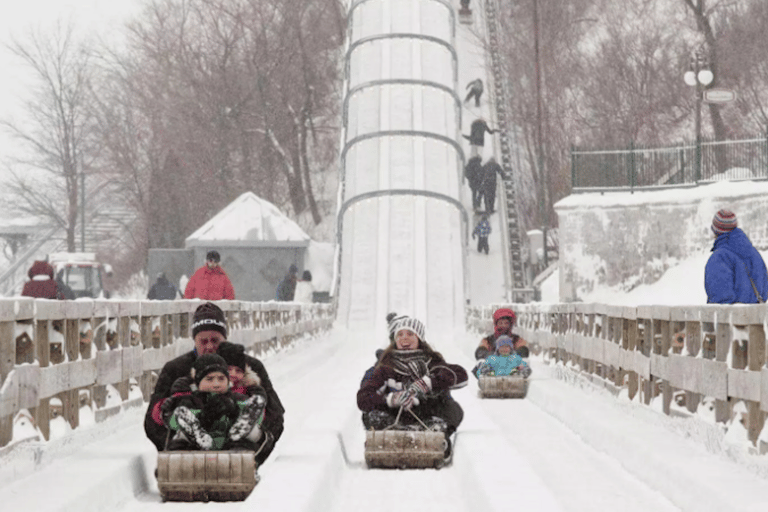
(735, 272)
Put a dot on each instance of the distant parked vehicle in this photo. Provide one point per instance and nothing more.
(81, 273)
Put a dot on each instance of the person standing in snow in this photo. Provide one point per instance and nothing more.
(162, 289)
(287, 287)
(475, 90)
(481, 231)
(41, 283)
(304, 288)
(735, 272)
(503, 321)
(476, 136)
(411, 376)
(210, 282)
(474, 174)
(209, 332)
(488, 183)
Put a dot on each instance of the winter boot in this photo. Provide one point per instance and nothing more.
(437, 424)
(190, 426)
(250, 416)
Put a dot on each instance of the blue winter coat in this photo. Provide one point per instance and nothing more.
(482, 229)
(725, 276)
(501, 366)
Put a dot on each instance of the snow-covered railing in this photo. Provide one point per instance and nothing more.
(57, 356)
(684, 353)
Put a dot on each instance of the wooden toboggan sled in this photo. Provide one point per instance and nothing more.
(511, 386)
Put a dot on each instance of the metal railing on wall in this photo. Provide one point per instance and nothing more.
(639, 166)
(716, 351)
(72, 350)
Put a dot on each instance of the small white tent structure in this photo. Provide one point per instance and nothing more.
(257, 243)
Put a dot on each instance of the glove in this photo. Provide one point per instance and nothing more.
(250, 416)
(216, 407)
(421, 387)
(405, 399)
(182, 385)
(167, 408)
(486, 370)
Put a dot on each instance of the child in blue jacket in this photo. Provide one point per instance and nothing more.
(504, 362)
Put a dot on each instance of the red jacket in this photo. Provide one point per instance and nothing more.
(45, 289)
(209, 284)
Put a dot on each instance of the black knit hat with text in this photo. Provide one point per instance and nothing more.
(209, 317)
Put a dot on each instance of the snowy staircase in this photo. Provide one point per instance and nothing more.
(501, 94)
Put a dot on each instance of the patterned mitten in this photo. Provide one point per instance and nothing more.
(250, 416)
(421, 387)
(405, 399)
(190, 426)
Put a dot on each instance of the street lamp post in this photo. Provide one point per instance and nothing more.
(699, 76)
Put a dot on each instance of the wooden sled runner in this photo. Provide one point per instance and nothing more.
(205, 475)
(405, 449)
(511, 386)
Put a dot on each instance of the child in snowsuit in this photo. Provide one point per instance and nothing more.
(503, 321)
(207, 415)
(242, 378)
(481, 231)
(504, 362)
(411, 376)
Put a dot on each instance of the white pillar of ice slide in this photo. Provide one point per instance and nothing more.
(403, 229)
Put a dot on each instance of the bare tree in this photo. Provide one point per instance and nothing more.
(220, 96)
(57, 136)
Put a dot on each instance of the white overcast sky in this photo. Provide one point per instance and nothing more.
(17, 17)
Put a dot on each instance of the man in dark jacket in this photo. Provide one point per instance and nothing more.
(474, 174)
(162, 289)
(475, 90)
(209, 331)
(488, 184)
(476, 136)
(287, 287)
(735, 272)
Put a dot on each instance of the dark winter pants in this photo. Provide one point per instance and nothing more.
(482, 244)
(476, 93)
(490, 198)
(477, 198)
(442, 413)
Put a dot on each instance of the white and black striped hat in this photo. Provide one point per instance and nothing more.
(406, 322)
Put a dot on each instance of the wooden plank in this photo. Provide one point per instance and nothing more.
(713, 379)
(132, 363)
(744, 384)
(82, 373)
(659, 366)
(29, 384)
(9, 399)
(53, 380)
(7, 348)
(641, 365)
(109, 366)
(764, 389)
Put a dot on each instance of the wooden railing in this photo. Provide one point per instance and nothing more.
(692, 352)
(72, 350)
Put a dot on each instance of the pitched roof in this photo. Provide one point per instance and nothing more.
(249, 218)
